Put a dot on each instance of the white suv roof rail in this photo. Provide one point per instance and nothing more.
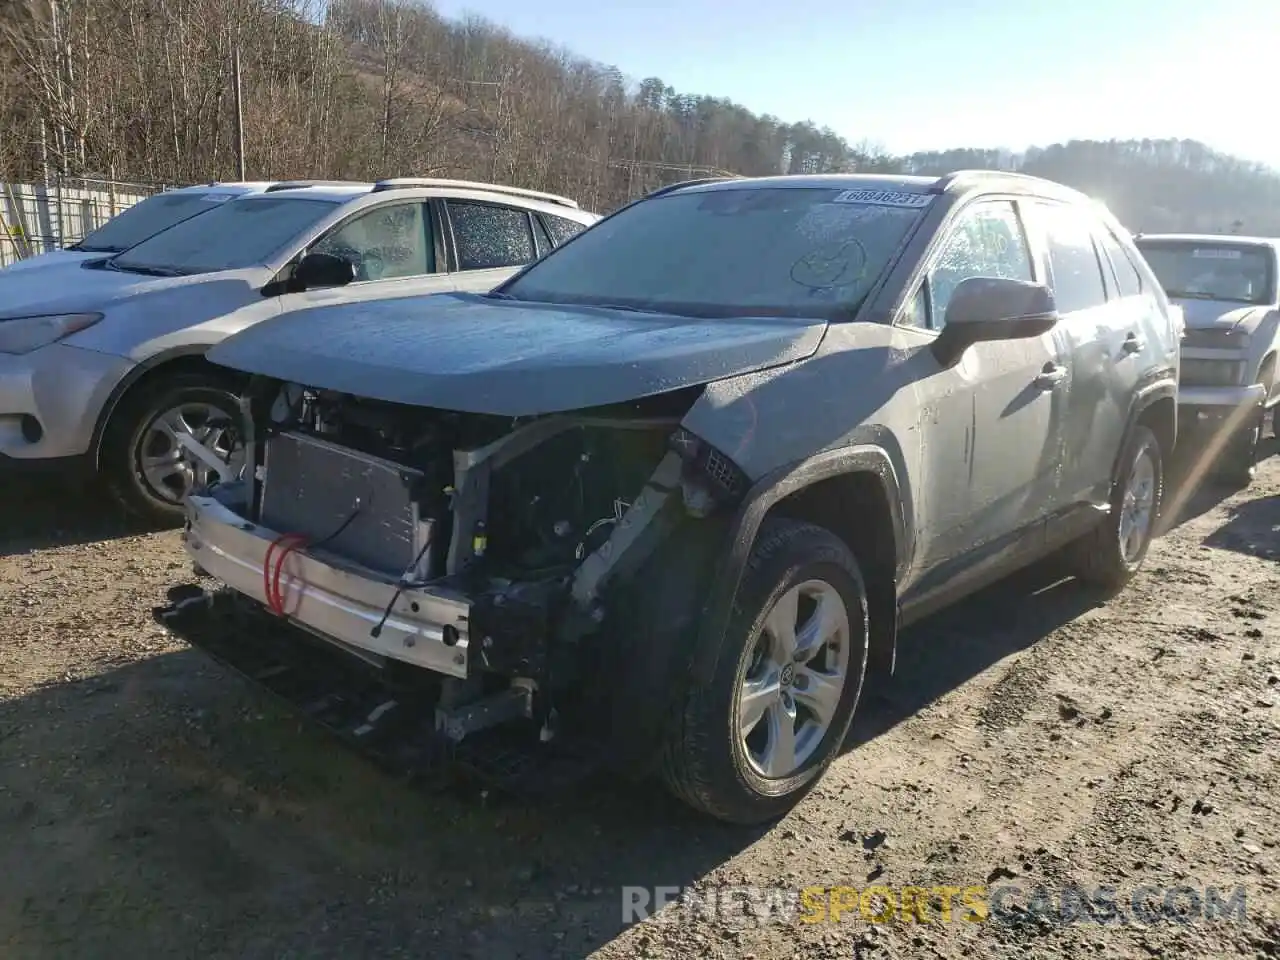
(302, 184)
(404, 183)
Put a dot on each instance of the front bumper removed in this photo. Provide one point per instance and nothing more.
(397, 725)
(426, 627)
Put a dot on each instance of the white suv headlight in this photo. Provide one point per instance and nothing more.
(25, 334)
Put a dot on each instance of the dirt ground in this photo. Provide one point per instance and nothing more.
(153, 806)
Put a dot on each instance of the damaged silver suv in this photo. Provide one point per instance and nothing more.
(663, 499)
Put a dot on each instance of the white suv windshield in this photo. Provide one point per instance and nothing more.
(775, 251)
(1231, 272)
(145, 219)
(238, 234)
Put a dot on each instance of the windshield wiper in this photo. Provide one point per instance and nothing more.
(139, 268)
(95, 248)
(1188, 295)
(622, 307)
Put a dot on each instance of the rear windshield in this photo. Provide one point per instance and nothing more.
(145, 219)
(1231, 272)
(238, 234)
(784, 251)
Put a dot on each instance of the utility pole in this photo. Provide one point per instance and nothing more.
(235, 69)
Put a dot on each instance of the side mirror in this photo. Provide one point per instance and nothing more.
(994, 308)
(323, 270)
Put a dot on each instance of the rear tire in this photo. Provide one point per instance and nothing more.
(1239, 463)
(1110, 554)
(748, 746)
(141, 462)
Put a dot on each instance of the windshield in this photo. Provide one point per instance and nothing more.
(782, 251)
(237, 234)
(145, 219)
(1232, 272)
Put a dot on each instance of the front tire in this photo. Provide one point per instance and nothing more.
(1110, 555)
(747, 747)
(144, 465)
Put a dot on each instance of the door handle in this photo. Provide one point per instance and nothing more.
(1132, 344)
(1052, 375)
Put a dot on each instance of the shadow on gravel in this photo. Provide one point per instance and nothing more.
(164, 808)
(38, 516)
(1191, 490)
(953, 646)
(1252, 528)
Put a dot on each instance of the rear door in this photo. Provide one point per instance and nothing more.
(489, 242)
(1095, 319)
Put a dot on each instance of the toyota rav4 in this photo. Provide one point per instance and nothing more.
(664, 498)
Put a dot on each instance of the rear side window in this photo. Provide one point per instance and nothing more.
(1126, 274)
(1073, 258)
(561, 228)
(489, 236)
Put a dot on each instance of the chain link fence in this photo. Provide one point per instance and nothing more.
(38, 218)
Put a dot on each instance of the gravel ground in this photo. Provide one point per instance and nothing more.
(152, 805)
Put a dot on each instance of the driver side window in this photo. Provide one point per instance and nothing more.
(987, 241)
(386, 243)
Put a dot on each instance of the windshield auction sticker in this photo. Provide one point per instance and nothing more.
(884, 198)
(1215, 253)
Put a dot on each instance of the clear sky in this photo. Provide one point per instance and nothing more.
(925, 74)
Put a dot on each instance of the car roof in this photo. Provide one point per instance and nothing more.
(1215, 238)
(832, 181)
(957, 182)
(234, 189)
(332, 192)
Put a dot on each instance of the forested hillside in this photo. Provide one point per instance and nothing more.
(143, 89)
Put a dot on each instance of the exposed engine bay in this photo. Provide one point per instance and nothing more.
(476, 552)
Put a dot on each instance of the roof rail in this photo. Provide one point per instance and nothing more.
(670, 187)
(946, 180)
(406, 183)
(300, 184)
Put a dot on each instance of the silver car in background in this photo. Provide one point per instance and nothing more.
(102, 365)
(1227, 289)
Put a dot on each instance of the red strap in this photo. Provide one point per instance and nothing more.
(286, 543)
(293, 544)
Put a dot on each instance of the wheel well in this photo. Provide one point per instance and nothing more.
(855, 507)
(1266, 373)
(1161, 418)
(146, 379)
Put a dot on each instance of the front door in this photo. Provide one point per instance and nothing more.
(1096, 320)
(394, 250)
(996, 428)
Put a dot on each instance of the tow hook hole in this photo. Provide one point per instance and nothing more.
(450, 635)
(414, 606)
(32, 431)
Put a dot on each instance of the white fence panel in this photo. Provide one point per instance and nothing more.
(38, 218)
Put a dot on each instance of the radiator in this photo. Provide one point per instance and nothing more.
(347, 503)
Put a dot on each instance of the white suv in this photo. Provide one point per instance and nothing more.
(105, 372)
